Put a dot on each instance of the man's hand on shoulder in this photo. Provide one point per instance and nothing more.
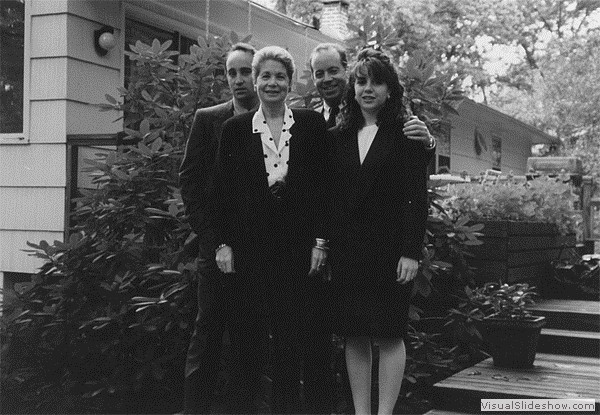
(415, 129)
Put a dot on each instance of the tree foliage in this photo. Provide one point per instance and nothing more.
(543, 79)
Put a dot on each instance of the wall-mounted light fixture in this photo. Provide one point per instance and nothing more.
(104, 40)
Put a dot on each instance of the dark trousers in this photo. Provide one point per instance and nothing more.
(301, 348)
(225, 302)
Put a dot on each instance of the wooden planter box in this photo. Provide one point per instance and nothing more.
(518, 251)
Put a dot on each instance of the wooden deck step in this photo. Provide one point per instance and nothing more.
(569, 314)
(551, 377)
(569, 342)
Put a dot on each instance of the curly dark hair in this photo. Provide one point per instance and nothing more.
(377, 66)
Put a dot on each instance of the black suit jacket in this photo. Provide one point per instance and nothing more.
(382, 202)
(196, 168)
(244, 213)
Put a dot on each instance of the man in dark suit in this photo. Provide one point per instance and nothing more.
(217, 301)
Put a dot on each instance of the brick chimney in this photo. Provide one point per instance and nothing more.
(334, 18)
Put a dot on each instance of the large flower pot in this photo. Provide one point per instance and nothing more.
(513, 343)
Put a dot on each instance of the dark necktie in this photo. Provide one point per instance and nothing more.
(332, 116)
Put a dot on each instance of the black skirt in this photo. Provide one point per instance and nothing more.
(366, 300)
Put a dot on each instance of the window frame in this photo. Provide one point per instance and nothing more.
(74, 141)
(23, 136)
(496, 138)
(443, 135)
(161, 17)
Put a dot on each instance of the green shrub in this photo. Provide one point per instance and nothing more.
(544, 199)
(504, 301)
(105, 324)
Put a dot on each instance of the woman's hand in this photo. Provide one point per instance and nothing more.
(224, 259)
(406, 270)
(317, 261)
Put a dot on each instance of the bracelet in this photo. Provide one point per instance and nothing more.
(321, 244)
(219, 247)
(431, 143)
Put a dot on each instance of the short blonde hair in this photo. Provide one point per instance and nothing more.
(277, 54)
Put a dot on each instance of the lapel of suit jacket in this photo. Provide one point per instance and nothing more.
(348, 157)
(371, 166)
(222, 114)
(225, 113)
(253, 150)
(295, 134)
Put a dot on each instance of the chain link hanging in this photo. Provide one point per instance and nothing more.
(207, 15)
(249, 17)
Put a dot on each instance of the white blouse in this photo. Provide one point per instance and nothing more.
(276, 158)
(366, 135)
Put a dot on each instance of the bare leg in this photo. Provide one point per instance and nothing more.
(392, 360)
(358, 361)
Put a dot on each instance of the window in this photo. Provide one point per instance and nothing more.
(146, 33)
(12, 47)
(11, 284)
(443, 164)
(80, 148)
(496, 153)
(441, 132)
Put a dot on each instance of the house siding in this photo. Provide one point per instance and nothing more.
(13, 242)
(516, 140)
(66, 76)
(22, 210)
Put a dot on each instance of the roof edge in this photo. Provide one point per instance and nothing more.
(545, 138)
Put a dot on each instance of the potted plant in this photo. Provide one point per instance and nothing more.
(508, 327)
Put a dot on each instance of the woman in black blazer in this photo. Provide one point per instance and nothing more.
(379, 210)
(268, 216)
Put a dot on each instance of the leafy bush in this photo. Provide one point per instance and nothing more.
(544, 199)
(504, 301)
(105, 323)
(574, 277)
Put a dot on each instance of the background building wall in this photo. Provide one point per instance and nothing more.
(516, 138)
(66, 77)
